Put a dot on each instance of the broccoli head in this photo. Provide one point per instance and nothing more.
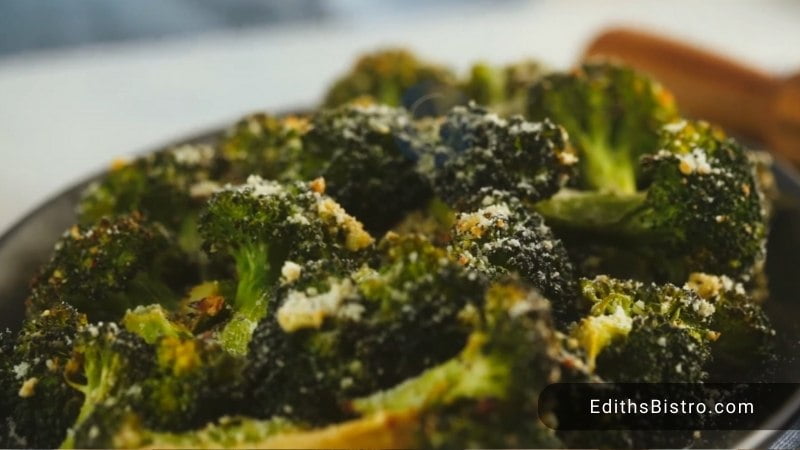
(487, 395)
(485, 85)
(612, 114)
(168, 186)
(194, 380)
(152, 368)
(367, 156)
(260, 226)
(504, 237)
(479, 150)
(396, 77)
(639, 332)
(265, 145)
(37, 403)
(107, 366)
(746, 336)
(699, 208)
(340, 337)
(503, 88)
(105, 269)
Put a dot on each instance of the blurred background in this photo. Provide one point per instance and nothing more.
(84, 81)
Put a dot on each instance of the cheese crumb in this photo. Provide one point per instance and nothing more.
(317, 185)
(203, 189)
(302, 310)
(263, 188)
(686, 165)
(705, 285)
(356, 238)
(291, 272)
(193, 155)
(567, 158)
(480, 221)
(28, 387)
(21, 369)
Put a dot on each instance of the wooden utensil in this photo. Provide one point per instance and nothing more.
(742, 99)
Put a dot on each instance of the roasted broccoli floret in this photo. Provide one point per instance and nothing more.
(366, 153)
(367, 156)
(503, 237)
(37, 404)
(341, 337)
(699, 208)
(487, 396)
(503, 88)
(485, 84)
(195, 380)
(265, 145)
(480, 150)
(612, 114)
(639, 332)
(153, 368)
(168, 186)
(396, 77)
(107, 365)
(262, 225)
(116, 264)
(746, 336)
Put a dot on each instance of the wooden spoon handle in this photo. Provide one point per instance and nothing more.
(705, 85)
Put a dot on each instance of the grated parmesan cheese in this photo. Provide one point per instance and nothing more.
(291, 272)
(301, 310)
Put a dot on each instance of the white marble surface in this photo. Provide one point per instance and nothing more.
(63, 115)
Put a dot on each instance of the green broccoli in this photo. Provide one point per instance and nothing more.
(487, 395)
(107, 366)
(504, 237)
(485, 85)
(151, 367)
(480, 150)
(334, 338)
(265, 145)
(37, 404)
(699, 208)
(395, 77)
(212, 296)
(746, 336)
(194, 379)
(168, 186)
(612, 114)
(503, 88)
(639, 332)
(122, 428)
(116, 264)
(263, 225)
(367, 156)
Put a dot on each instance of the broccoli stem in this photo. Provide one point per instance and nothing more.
(471, 374)
(255, 269)
(606, 168)
(101, 372)
(610, 213)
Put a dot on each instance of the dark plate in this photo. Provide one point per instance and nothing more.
(28, 244)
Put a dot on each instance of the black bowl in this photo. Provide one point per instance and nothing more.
(29, 243)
